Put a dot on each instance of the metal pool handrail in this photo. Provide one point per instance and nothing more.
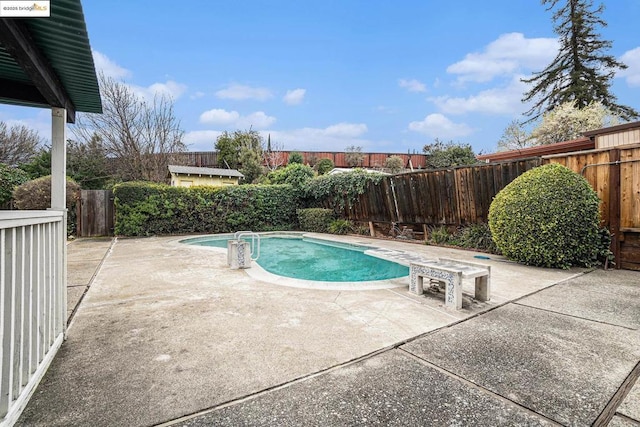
(254, 237)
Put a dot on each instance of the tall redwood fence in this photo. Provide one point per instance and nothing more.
(453, 196)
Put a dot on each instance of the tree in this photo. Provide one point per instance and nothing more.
(251, 162)
(394, 163)
(581, 72)
(295, 157)
(567, 122)
(18, 144)
(353, 156)
(142, 136)
(444, 155)
(230, 145)
(10, 178)
(323, 166)
(87, 164)
(40, 165)
(515, 137)
(273, 156)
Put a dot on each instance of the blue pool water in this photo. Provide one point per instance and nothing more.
(316, 260)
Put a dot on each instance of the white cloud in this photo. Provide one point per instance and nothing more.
(170, 88)
(109, 67)
(219, 116)
(412, 85)
(242, 92)
(256, 120)
(632, 73)
(294, 97)
(346, 130)
(510, 53)
(332, 138)
(501, 100)
(439, 126)
(201, 140)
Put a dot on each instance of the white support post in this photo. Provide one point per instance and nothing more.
(58, 159)
(59, 203)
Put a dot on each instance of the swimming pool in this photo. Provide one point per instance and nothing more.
(315, 259)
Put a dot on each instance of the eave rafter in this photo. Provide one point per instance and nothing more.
(18, 42)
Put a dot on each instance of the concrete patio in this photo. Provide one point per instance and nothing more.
(168, 335)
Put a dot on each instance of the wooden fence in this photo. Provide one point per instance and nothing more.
(615, 175)
(453, 196)
(95, 213)
(339, 159)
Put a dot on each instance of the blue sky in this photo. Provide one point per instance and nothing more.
(324, 75)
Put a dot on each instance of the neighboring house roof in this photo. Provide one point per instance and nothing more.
(612, 129)
(579, 144)
(192, 170)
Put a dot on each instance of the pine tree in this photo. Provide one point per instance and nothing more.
(581, 72)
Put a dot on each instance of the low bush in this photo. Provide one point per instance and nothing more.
(144, 209)
(440, 236)
(341, 226)
(36, 195)
(316, 220)
(474, 236)
(548, 217)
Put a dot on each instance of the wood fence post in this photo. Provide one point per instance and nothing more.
(614, 205)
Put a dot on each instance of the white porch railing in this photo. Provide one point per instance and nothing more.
(33, 302)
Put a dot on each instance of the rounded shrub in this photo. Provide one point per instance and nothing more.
(548, 217)
(36, 195)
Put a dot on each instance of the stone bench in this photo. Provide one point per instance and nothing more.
(451, 272)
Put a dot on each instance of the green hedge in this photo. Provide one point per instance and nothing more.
(144, 209)
(316, 220)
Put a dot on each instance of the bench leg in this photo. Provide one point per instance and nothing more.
(453, 291)
(483, 288)
(416, 284)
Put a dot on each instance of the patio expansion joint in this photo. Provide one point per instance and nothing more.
(574, 316)
(72, 316)
(422, 304)
(268, 390)
(616, 400)
(630, 421)
(475, 386)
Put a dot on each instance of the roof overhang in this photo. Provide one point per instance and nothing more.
(579, 144)
(47, 62)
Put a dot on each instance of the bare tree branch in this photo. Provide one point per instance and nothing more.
(141, 136)
(18, 144)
